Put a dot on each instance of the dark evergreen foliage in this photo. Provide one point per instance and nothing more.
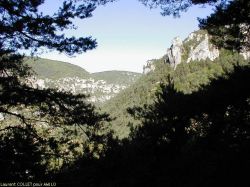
(24, 106)
(170, 7)
(229, 25)
(193, 134)
(197, 139)
(23, 26)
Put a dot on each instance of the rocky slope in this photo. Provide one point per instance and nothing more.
(189, 64)
(149, 66)
(195, 47)
(67, 77)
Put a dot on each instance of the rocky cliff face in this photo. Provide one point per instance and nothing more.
(63, 76)
(98, 90)
(245, 53)
(202, 49)
(195, 47)
(174, 53)
(149, 67)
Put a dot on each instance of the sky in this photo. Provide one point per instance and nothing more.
(128, 34)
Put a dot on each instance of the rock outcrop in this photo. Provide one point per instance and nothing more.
(63, 76)
(204, 50)
(174, 53)
(99, 90)
(195, 47)
(148, 67)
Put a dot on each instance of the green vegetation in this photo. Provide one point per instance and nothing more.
(196, 139)
(192, 43)
(116, 77)
(189, 126)
(54, 70)
(51, 69)
(187, 78)
(193, 129)
(25, 27)
(139, 93)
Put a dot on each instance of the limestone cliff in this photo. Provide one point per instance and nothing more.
(63, 76)
(174, 53)
(203, 49)
(148, 67)
(195, 47)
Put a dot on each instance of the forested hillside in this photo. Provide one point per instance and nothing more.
(99, 86)
(51, 69)
(184, 122)
(196, 67)
(187, 125)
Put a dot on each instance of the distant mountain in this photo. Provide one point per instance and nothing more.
(54, 70)
(68, 77)
(117, 77)
(188, 64)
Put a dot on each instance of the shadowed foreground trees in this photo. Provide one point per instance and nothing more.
(28, 110)
(197, 139)
(229, 25)
(170, 7)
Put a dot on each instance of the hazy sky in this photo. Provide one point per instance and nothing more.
(128, 34)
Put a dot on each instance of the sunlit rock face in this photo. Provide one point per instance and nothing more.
(174, 53)
(98, 90)
(204, 50)
(148, 67)
(195, 47)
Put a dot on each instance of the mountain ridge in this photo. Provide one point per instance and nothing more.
(101, 86)
(187, 75)
(47, 68)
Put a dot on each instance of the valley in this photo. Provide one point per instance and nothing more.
(63, 76)
(183, 121)
(190, 64)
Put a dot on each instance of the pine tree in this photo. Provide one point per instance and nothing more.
(24, 107)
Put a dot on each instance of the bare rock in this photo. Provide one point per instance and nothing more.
(148, 67)
(174, 53)
(204, 50)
